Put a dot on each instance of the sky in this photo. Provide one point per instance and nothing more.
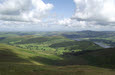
(63, 8)
(57, 15)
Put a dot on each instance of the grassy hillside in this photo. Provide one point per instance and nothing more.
(16, 61)
(102, 58)
(51, 54)
(73, 45)
(105, 37)
(50, 44)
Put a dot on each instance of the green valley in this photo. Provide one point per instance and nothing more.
(53, 54)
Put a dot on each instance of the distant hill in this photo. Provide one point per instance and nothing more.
(49, 44)
(105, 37)
(74, 45)
(90, 34)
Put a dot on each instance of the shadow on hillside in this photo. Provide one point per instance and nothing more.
(66, 61)
(75, 45)
(63, 44)
(98, 58)
(104, 58)
(8, 56)
(44, 60)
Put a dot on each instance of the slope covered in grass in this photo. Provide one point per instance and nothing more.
(102, 57)
(16, 61)
(73, 45)
(50, 44)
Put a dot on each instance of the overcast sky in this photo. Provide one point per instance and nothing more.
(57, 15)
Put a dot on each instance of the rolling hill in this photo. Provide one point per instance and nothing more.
(16, 61)
(51, 53)
(102, 57)
(50, 44)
